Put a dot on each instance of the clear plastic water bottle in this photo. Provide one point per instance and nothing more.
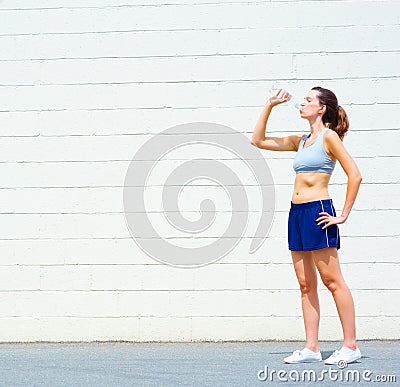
(274, 89)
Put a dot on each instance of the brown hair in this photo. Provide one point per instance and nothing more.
(335, 116)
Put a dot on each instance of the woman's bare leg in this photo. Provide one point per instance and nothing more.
(307, 277)
(327, 262)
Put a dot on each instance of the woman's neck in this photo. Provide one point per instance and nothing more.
(316, 126)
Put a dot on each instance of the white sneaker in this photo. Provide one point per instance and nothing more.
(303, 356)
(344, 354)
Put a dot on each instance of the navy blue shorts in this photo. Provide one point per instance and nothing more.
(303, 230)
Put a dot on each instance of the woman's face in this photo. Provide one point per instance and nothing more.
(310, 107)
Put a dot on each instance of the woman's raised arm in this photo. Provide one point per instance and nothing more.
(289, 143)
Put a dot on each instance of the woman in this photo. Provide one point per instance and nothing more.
(313, 230)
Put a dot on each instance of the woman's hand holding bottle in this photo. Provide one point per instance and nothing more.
(279, 96)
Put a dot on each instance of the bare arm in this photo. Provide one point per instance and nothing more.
(289, 143)
(354, 177)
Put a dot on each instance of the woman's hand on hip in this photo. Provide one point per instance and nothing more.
(329, 220)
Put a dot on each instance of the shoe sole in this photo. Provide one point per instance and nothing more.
(347, 362)
(299, 362)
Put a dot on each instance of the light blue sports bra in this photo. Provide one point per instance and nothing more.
(313, 157)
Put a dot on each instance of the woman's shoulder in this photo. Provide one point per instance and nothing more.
(300, 136)
(330, 134)
(330, 139)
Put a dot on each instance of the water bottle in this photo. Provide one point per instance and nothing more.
(274, 89)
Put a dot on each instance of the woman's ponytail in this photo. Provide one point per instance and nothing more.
(335, 116)
(343, 124)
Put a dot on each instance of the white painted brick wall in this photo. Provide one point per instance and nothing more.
(84, 84)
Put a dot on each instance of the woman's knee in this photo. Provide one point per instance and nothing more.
(331, 283)
(307, 286)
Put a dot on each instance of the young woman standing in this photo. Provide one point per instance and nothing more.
(313, 231)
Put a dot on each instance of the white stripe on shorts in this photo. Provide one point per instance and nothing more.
(337, 228)
(326, 230)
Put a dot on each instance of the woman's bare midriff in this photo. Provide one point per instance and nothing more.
(310, 186)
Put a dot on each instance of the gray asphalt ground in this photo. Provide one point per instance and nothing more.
(190, 364)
